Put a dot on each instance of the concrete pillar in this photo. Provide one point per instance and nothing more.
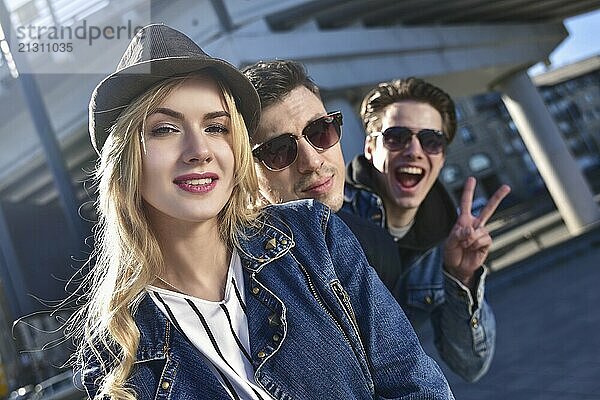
(353, 134)
(562, 175)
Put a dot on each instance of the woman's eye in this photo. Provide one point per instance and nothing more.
(163, 130)
(217, 128)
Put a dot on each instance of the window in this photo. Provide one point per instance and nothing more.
(479, 162)
(573, 111)
(546, 94)
(518, 145)
(588, 116)
(589, 97)
(529, 162)
(572, 85)
(467, 135)
(459, 113)
(564, 126)
(450, 174)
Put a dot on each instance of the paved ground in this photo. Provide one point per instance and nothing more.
(548, 318)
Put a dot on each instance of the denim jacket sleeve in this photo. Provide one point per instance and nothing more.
(399, 367)
(465, 328)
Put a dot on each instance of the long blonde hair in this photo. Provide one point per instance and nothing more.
(127, 255)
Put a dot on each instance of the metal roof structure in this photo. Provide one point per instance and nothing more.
(335, 14)
(567, 72)
(462, 45)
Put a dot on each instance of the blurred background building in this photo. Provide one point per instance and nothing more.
(488, 144)
(477, 50)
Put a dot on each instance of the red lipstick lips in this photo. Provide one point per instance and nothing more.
(197, 183)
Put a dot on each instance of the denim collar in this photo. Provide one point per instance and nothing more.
(267, 240)
(155, 331)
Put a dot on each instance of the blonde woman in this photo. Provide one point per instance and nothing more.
(197, 293)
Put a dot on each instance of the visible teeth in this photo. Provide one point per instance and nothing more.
(203, 181)
(411, 170)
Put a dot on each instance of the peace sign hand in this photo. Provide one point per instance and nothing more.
(469, 241)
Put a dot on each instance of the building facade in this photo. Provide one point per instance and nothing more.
(488, 144)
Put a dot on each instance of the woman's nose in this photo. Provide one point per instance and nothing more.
(196, 148)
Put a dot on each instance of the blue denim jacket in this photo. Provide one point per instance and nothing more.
(464, 327)
(321, 323)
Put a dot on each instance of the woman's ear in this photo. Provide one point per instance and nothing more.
(369, 147)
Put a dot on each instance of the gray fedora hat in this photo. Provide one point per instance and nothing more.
(158, 52)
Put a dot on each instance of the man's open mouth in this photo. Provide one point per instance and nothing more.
(409, 177)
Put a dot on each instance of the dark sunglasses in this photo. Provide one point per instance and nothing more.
(281, 151)
(398, 138)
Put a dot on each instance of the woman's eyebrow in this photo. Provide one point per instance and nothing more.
(216, 114)
(180, 116)
(169, 112)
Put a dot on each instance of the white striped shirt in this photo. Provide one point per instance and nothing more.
(219, 330)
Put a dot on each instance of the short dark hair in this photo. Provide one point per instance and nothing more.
(375, 102)
(273, 80)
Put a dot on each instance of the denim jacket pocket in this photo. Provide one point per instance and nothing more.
(425, 298)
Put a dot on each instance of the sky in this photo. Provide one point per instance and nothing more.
(583, 42)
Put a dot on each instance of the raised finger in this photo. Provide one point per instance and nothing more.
(466, 200)
(489, 209)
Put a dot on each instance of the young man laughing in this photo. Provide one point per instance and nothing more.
(409, 124)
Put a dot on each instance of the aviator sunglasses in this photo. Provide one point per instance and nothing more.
(281, 151)
(398, 138)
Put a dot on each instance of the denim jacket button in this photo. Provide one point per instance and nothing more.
(274, 320)
(165, 385)
(475, 322)
(284, 241)
(276, 338)
(261, 354)
(255, 290)
(428, 300)
(270, 244)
